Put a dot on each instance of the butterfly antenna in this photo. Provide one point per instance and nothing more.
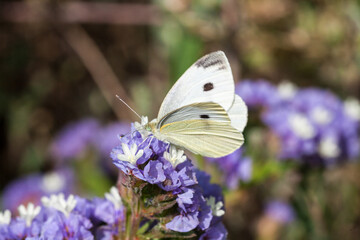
(128, 106)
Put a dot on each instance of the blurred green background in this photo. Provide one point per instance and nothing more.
(61, 61)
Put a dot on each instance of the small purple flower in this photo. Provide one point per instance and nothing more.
(107, 137)
(235, 168)
(73, 140)
(185, 198)
(110, 210)
(25, 225)
(32, 187)
(184, 222)
(154, 172)
(209, 189)
(258, 93)
(216, 232)
(280, 211)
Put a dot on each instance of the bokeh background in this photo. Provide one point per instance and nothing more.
(63, 62)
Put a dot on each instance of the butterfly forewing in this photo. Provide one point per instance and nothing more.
(207, 80)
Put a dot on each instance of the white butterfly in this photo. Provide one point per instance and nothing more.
(201, 112)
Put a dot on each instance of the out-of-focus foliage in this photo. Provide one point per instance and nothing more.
(45, 85)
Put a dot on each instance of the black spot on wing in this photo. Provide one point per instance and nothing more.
(204, 116)
(208, 86)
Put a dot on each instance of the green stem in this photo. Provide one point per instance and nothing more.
(133, 218)
(128, 225)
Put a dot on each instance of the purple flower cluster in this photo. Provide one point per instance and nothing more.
(197, 204)
(32, 187)
(76, 137)
(312, 125)
(159, 191)
(58, 217)
(234, 167)
(258, 93)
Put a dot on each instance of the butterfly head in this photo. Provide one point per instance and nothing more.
(146, 128)
(151, 126)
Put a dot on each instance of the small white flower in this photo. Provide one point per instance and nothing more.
(301, 126)
(175, 156)
(5, 217)
(114, 197)
(352, 108)
(53, 182)
(28, 213)
(328, 148)
(130, 154)
(59, 203)
(287, 90)
(216, 208)
(321, 115)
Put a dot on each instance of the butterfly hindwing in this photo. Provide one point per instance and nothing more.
(238, 114)
(202, 128)
(207, 80)
(207, 137)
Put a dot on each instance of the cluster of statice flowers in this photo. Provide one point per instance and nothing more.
(183, 203)
(159, 194)
(313, 125)
(61, 217)
(32, 187)
(77, 137)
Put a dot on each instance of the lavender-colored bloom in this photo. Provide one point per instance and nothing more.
(145, 160)
(280, 211)
(32, 187)
(198, 208)
(216, 232)
(112, 212)
(209, 189)
(184, 222)
(313, 128)
(258, 93)
(18, 229)
(62, 217)
(25, 225)
(132, 153)
(107, 137)
(185, 198)
(73, 140)
(154, 172)
(235, 168)
(58, 226)
(206, 215)
(105, 211)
